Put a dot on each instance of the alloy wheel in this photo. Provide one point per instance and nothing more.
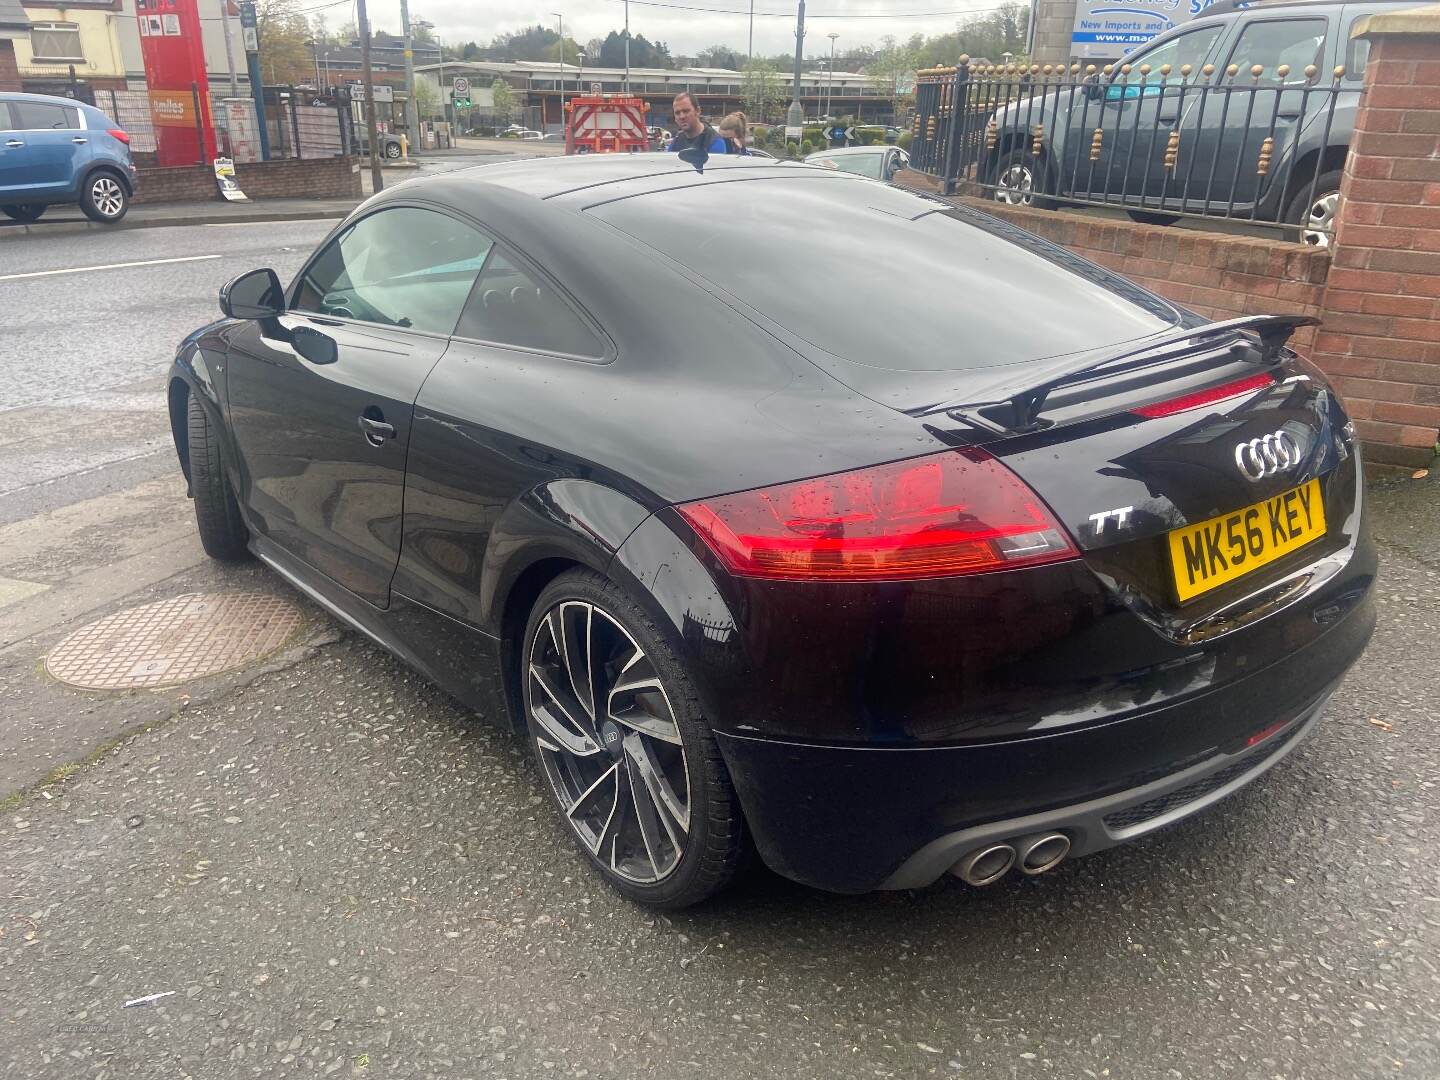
(1320, 221)
(608, 741)
(1015, 185)
(108, 196)
(392, 151)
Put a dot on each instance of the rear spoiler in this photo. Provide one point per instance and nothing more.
(1019, 411)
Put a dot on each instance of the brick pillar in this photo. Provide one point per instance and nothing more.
(9, 68)
(1381, 338)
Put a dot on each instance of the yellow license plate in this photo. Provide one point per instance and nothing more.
(1206, 555)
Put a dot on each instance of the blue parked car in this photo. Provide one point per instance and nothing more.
(57, 150)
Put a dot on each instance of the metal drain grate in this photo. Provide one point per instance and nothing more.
(174, 641)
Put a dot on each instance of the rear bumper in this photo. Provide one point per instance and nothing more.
(854, 819)
(1113, 819)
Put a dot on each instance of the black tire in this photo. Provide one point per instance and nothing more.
(222, 533)
(392, 151)
(1013, 172)
(1302, 209)
(104, 197)
(23, 211)
(715, 842)
(1150, 217)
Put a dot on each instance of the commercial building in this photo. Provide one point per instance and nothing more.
(539, 86)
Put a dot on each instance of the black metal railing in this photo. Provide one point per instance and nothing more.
(1160, 143)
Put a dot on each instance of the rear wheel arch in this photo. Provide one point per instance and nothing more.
(106, 167)
(178, 397)
(1313, 163)
(519, 601)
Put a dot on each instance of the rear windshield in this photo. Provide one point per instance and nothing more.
(888, 279)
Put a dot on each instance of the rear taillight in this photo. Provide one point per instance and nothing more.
(117, 133)
(959, 512)
(1186, 402)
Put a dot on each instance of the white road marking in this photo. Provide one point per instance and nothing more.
(276, 221)
(108, 266)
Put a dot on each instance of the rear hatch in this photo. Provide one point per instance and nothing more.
(942, 312)
(1205, 493)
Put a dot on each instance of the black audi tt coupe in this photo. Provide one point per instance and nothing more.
(907, 543)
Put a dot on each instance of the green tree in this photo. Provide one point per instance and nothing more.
(892, 72)
(761, 90)
(284, 56)
(720, 56)
(503, 105)
(536, 43)
(427, 99)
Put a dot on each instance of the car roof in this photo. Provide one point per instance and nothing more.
(546, 178)
(44, 99)
(1240, 7)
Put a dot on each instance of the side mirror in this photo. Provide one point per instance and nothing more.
(1094, 91)
(256, 295)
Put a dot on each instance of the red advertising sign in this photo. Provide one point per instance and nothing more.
(174, 55)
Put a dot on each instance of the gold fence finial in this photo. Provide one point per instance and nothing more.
(1267, 148)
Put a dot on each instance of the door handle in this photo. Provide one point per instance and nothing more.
(376, 431)
(79, 139)
(1163, 119)
(13, 143)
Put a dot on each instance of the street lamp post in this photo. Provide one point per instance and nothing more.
(830, 92)
(795, 115)
(627, 46)
(412, 108)
(560, 21)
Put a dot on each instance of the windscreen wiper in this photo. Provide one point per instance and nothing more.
(1022, 409)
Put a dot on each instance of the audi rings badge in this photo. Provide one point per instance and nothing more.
(1267, 456)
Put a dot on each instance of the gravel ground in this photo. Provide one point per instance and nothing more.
(336, 871)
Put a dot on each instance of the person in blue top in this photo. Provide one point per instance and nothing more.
(694, 132)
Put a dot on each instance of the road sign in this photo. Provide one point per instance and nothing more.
(595, 88)
(850, 134)
(248, 24)
(462, 86)
(382, 91)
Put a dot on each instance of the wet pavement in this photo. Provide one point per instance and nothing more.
(334, 870)
(329, 868)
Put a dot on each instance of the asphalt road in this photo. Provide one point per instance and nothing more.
(338, 872)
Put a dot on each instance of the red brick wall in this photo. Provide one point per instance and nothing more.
(9, 68)
(1381, 338)
(314, 178)
(1219, 276)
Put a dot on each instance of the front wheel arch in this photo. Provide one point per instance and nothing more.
(1017, 147)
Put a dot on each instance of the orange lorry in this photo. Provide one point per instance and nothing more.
(605, 124)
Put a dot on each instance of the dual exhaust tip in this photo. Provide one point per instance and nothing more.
(1034, 854)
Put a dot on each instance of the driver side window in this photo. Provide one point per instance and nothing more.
(402, 267)
(1191, 48)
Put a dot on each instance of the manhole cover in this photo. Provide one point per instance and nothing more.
(173, 641)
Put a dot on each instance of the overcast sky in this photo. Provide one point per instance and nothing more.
(685, 31)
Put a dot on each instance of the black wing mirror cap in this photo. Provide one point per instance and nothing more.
(256, 295)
